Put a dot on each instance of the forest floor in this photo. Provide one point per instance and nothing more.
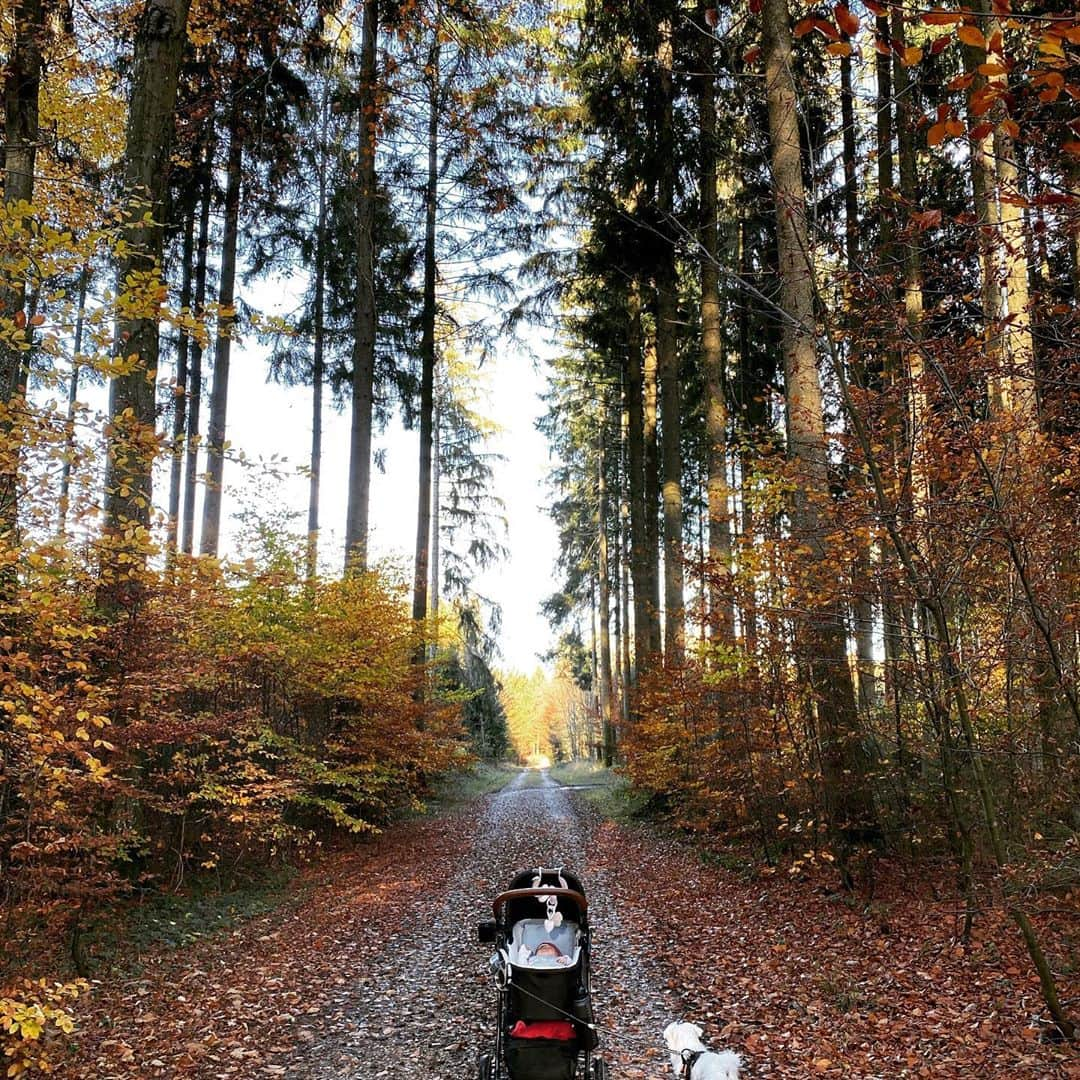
(370, 969)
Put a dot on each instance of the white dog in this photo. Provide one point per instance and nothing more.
(690, 1058)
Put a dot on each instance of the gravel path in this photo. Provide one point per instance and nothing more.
(424, 1005)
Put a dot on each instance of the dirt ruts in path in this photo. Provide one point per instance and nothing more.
(424, 1003)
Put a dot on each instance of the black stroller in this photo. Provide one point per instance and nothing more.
(545, 1028)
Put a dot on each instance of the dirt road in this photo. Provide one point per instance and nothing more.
(373, 971)
(424, 1005)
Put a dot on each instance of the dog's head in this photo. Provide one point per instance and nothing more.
(681, 1036)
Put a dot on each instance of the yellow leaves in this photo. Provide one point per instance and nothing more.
(911, 56)
(839, 48)
(1051, 46)
(28, 1015)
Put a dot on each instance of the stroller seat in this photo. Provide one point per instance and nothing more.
(529, 934)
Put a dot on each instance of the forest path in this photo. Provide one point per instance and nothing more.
(424, 1004)
(372, 970)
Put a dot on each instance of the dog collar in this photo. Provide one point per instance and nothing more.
(689, 1060)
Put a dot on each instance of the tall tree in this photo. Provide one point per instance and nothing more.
(365, 317)
(132, 439)
(210, 534)
(822, 634)
(22, 83)
(721, 604)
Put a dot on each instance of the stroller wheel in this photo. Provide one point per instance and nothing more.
(599, 1069)
(485, 1069)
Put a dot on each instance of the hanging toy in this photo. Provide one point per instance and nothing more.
(554, 917)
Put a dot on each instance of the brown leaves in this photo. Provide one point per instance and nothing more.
(822, 26)
(848, 23)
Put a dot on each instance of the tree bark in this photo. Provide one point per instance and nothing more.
(364, 315)
(862, 604)
(427, 342)
(180, 384)
(918, 412)
(606, 711)
(652, 496)
(822, 637)
(219, 394)
(721, 600)
(318, 362)
(22, 85)
(191, 465)
(667, 351)
(642, 556)
(983, 181)
(131, 438)
(72, 401)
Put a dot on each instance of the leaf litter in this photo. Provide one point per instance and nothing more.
(374, 970)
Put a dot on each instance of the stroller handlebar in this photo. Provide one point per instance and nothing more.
(541, 891)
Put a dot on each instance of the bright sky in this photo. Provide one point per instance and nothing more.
(266, 419)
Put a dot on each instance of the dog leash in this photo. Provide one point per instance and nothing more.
(597, 1029)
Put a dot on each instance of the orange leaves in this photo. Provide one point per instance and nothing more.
(822, 26)
(848, 23)
(942, 130)
(938, 17)
(971, 35)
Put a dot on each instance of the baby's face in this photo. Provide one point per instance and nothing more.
(547, 949)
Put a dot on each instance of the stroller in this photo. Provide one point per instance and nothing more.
(545, 1027)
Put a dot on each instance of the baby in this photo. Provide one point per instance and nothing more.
(546, 954)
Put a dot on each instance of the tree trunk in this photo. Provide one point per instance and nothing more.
(187, 540)
(436, 472)
(606, 712)
(364, 314)
(983, 180)
(651, 500)
(624, 569)
(862, 602)
(642, 546)
(219, 395)
(822, 637)
(667, 353)
(131, 438)
(318, 362)
(1018, 391)
(180, 385)
(21, 88)
(721, 601)
(751, 417)
(427, 343)
(911, 260)
(72, 401)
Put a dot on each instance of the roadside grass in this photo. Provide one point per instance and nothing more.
(573, 773)
(483, 778)
(609, 793)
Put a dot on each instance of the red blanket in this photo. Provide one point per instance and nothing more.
(543, 1029)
